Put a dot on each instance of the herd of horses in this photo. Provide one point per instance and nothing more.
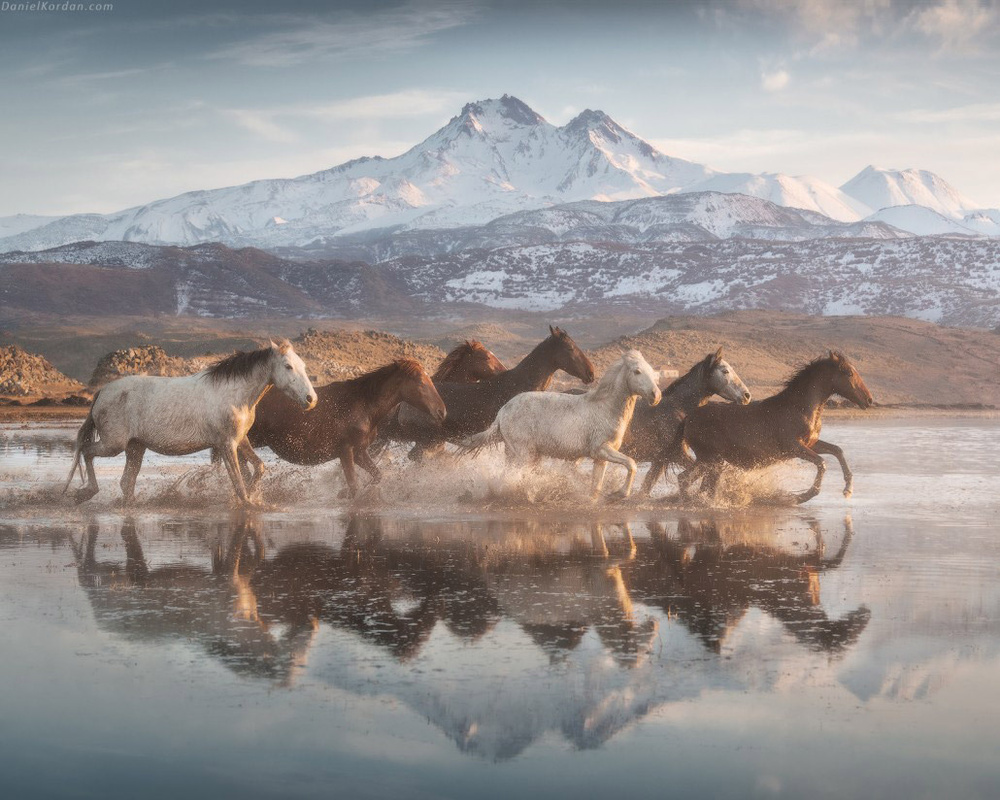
(474, 402)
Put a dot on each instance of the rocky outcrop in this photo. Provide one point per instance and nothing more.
(144, 360)
(24, 374)
(336, 355)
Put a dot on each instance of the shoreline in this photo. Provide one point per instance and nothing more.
(56, 414)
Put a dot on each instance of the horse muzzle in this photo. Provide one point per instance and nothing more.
(745, 400)
(653, 398)
(309, 402)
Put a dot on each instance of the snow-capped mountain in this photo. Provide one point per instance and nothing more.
(800, 191)
(923, 221)
(495, 157)
(880, 188)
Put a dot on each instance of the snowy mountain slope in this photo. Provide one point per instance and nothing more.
(496, 157)
(954, 282)
(922, 221)
(880, 188)
(985, 221)
(951, 281)
(19, 223)
(801, 192)
(684, 217)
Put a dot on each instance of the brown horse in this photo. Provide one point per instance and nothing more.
(469, 362)
(472, 407)
(655, 432)
(779, 428)
(344, 422)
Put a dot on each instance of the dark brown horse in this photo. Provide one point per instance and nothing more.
(654, 434)
(344, 422)
(779, 428)
(469, 362)
(472, 407)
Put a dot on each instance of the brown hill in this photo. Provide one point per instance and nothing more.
(339, 354)
(24, 374)
(902, 360)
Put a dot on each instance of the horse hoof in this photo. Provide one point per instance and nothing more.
(848, 493)
(84, 494)
(617, 497)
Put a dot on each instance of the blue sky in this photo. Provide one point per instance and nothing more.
(107, 109)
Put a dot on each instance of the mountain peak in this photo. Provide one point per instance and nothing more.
(588, 119)
(507, 107)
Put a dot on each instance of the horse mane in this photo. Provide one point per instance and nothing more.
(804, 372)
(370, 384)
(610, 377)
(240, 364)
(449, 365)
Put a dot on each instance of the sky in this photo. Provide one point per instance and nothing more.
(105, 109)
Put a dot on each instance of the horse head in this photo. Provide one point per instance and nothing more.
(640, 378)
(480, 362)
(723, 380)
(847, 382)
(288, 374)
(569, 357)
(418, 389)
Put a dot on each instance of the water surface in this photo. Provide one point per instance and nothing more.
(431, 648)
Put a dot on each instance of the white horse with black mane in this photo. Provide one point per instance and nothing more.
(176, 416)
(573, 426)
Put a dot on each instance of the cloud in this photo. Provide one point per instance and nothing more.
(311, 38)
(831, 24)
(956, 24)
(277, 124)
(775, 80)
(262, 124)
(975, 112)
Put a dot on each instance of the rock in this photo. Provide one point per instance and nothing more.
(25, 374)
(143, 360)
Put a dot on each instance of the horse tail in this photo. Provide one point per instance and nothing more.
(480, 441)
(84, 437)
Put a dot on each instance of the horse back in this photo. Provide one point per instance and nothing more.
(746, 436)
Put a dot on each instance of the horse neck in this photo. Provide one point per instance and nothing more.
(248, 391)
(387, 397)
(535, 370)
(612, 391)
(689, 392)
(807, 392)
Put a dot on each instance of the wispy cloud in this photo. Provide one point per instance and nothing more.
(957, 25)
(774, 80)
(827, 24)
(277, 123)
(975, 112)
(304, 39)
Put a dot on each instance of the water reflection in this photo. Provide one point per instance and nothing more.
(495, 631)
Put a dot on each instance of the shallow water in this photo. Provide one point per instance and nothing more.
(422, 646)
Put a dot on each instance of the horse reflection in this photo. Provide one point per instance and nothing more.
(215, 607)
(714, 571)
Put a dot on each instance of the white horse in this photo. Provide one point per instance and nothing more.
(176, 416)
(572, 426)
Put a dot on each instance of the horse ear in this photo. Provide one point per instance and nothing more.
(552, 330)
(834, 356)
(718, 355)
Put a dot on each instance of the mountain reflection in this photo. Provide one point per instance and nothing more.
(495, 630)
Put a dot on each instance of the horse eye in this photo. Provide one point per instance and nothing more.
(289, 366)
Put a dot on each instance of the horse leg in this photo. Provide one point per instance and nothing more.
(134, 452)
(350, 475)
(655, 471)
(808, 455)
(597, 478)
(230, 457)
(91, 451)
(688, 477)
(248, 457)
(825, 448)
(608, 453)
(364, 460)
